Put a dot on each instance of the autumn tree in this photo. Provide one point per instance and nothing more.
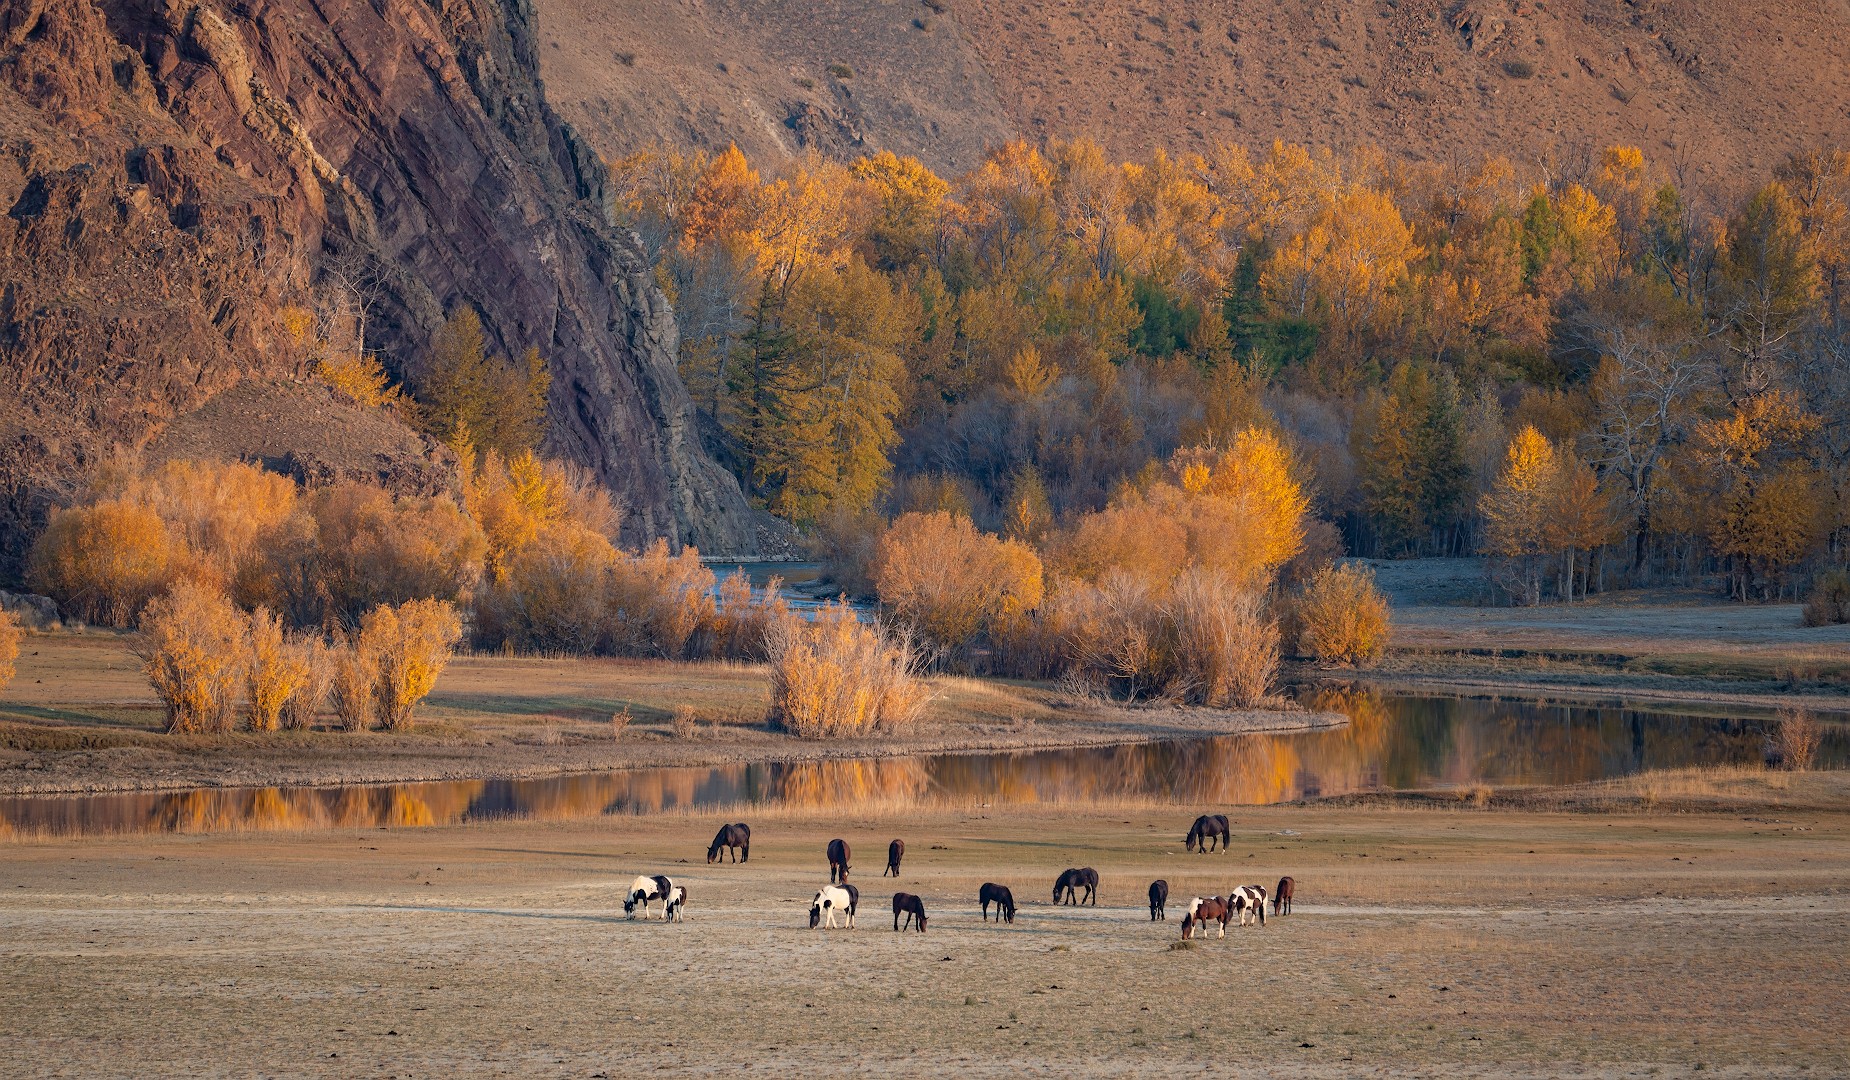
(1764, 506)
(949, 582)
(1766, 287)
(1516, 510)
(472, 397)
(1414, 474)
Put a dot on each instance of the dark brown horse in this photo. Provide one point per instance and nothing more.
(1203, 910)
(838, 861)
(1209, 829)
(1074, 879)
(911, 906)
(895, 851)
(732, 838)
(1001, 897)
(1281, 900)
(1159, 900)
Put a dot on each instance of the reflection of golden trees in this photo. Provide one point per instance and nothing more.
(830, 784)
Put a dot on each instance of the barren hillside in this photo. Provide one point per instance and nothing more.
(1720, 89)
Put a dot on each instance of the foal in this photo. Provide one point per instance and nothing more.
(1001, 897)
(912, 906)
(838, 861)
(1159, 900)
(895, 851)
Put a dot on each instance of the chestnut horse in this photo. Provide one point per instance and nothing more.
(912, 906)
(1074, 879)
(838, 861)
(895, 851)
(1001, 897)
(731, 838)
(1281, 900)
(1209, 829)
(1159, 900)
(1204, 910)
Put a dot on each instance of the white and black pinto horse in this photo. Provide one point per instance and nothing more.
(1249, 902)
(646, 890)
(830, 899)
(676, 909)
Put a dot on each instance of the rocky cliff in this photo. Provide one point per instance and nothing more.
(174, 173)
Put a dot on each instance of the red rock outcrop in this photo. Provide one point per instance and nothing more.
(174, 172)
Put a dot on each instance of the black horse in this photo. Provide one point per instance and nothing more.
(733, 839)
(1074, 879)
(895, 851)
(1210, 829)
(1001, 897)
(838, 861)
(911, 906)
(1159, 900)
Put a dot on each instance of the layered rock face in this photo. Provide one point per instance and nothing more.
(174, 173)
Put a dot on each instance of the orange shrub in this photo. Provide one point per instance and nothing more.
(353, 675)
(105, 561)
(742, 618)
(835, 676)
(371, 549)
(949, 583)
(9, 646)
(409, 645)
(1226, 648)
(274, 671)
(1341, 617)
(317, 661)
(191, 648)
(654, 602)
(550, 593)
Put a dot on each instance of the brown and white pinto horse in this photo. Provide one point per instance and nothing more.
(733, 839)
(912, 907)
(1203, 910)
(1249, 901)
(838, 861)
(1209, 833)
(895, 851)
(1082, 877)
(1281, 900)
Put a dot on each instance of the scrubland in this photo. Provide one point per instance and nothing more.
(1429, 938)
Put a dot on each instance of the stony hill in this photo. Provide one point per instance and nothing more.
(174, 175)
(1720, 90)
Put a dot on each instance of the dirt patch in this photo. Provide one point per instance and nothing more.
(1425, 941)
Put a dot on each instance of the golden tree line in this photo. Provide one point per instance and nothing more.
(1034, 332)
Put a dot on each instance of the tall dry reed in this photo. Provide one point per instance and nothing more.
(835, 676)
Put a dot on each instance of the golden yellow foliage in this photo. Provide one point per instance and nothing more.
(192, 651)
(354, 676)
(361, 377)
(10, 634)
(1341, 617)
(834, 676)
(104, 562)
(274, 671)
(409, 645)
(317, 666)
(950, 583)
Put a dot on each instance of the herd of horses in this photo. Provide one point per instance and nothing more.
(1075, 886)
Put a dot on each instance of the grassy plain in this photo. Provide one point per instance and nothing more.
(1580, 934)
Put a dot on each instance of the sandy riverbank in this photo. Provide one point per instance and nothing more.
(80, 718)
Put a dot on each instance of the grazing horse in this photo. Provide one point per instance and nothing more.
(1074, 879)
(733, 838)
(1001, 897)
(831, 899)
(1159, 900)
(838, 861)
(912, 906)
(1281, 900)
(1202, 910)
(644, 890)
(675, 910)
(1249, 900)
(895, 851)
(1209, 829)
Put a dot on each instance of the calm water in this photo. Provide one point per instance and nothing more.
(1392, 742)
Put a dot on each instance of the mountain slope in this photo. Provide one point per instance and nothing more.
(175, 174)
(1720, 90)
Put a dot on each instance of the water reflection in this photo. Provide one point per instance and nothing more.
(1391, 742)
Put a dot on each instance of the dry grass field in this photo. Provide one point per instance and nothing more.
(1428, 940)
